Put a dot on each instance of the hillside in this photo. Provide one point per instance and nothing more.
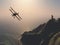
(42, 34)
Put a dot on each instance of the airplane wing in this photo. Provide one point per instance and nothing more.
(17, 18)
(12, 9)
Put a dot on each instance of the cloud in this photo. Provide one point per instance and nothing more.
(52, 3)
(9, 28)
(4, 3)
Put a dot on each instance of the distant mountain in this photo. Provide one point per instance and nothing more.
(42, 34)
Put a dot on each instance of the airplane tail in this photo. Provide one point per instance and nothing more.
(13, 16)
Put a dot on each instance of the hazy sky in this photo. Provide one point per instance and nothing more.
(33, 12)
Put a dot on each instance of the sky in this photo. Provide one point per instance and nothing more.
(33, 12)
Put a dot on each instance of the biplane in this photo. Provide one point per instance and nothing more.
(15, 14)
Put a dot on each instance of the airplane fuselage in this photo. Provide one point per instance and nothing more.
(14, 14)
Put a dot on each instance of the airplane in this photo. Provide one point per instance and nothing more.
(14, 13)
